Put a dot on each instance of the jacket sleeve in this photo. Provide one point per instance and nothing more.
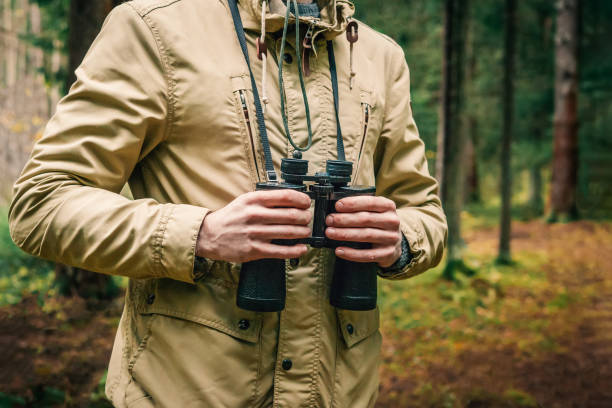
(402, 175)
(66, 205)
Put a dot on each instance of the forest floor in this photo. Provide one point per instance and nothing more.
(535, 333)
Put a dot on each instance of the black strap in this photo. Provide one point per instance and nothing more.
(269, 164)
(263, 133)
(334, 80)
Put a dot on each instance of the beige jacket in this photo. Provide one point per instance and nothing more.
(157, 104)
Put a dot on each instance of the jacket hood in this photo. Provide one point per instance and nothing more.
(335, 16)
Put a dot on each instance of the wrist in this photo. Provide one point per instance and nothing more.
(204, 244)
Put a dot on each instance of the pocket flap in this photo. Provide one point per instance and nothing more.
(212, 302)
(357, 325)
(241, 82)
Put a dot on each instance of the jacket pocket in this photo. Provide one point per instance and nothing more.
(212, 303)
(243, 97)
(357, 359)
(357, 325)
(201, 347)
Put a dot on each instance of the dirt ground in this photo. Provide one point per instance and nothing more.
(58, 351)
(56, 355)
(577, 372)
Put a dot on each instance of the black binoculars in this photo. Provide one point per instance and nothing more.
(262, 286)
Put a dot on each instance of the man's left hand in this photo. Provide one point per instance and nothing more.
(367, 219)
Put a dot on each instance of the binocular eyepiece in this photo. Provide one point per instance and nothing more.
(262, 285)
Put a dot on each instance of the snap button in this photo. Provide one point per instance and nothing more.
(287, 58)
(294, 262)
(350, 329)
(287, 364)
(244, 324)
(151, 299)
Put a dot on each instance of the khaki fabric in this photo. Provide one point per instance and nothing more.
(157, 104)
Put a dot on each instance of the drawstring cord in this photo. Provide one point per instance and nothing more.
(261, 123)
(262, 54)
(281, 82)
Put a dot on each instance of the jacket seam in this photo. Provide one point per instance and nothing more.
(336, 384)
(141, 346)
(317, 352)
(125, 351)
(167, 70)
(280, 351)
(146, 11)
(158, 238)
(259, 358)
(326, 117)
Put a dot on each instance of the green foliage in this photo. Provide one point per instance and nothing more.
(417, 26)
(53, 37)
(98, 397)
(19, 272)
(9, 401)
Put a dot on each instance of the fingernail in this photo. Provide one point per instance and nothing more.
(340, 251)
(329, 220)
(339, 204)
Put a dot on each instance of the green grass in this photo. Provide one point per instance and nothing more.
(21, 273)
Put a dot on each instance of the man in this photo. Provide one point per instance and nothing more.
(164, 101)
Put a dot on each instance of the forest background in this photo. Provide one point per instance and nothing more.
(514, 102)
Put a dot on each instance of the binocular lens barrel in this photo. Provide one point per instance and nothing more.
(339, 168)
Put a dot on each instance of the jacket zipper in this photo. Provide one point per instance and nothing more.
(247, 119)
(306, 48)
(366, 121)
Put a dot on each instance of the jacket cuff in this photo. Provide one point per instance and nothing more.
(401, 262)
(414, 237)
(175, 243)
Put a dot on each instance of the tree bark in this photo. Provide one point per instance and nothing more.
(10, 56)
(565, 149)
(536, 203)
(472, 182)
(452, 137)
(504, 255)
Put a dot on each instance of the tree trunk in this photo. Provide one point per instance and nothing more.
(86, 18)
(506, 145)
(452, 166)
(565, 149)
(472, 182)
(470, 121)
(536, 203)
(10, 55)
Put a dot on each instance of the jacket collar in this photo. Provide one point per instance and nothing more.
(335, 16)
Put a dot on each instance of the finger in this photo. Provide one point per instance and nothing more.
(387, 220)
(279, 198)
(365, 203)
(379, 254)
(265, 250)
(270, 232)
(281, 216)
(373, 235)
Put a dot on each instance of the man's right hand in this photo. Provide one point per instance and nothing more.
(242, 231)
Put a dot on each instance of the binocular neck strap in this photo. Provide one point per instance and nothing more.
(334, 80)
(263, 134)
